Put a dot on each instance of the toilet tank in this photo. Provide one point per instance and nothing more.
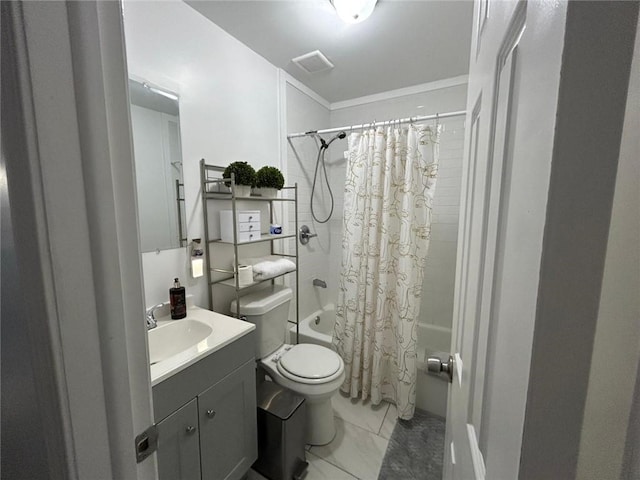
(268, 310)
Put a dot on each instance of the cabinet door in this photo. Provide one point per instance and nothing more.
(228, 432)
(178, 444)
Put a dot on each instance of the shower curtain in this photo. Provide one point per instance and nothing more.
(391, 177)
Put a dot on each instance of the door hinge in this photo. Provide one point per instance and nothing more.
(146, 443)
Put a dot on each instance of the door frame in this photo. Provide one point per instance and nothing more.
(72, 188)
(592, 98)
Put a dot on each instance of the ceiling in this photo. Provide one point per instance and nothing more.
(403, 43)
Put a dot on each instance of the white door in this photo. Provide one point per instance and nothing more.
(512, 85)
(480, 272)
(513, 119)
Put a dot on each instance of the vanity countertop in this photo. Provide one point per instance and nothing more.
(225, 330)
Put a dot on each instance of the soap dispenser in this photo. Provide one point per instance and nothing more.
(178, 300)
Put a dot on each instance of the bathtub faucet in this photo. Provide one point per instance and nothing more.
(319, 283)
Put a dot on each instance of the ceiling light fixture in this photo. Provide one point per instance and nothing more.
(354, 11)
(159, 91)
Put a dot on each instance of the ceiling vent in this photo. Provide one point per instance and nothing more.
(313, 62)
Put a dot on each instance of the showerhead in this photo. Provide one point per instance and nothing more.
(340, 136)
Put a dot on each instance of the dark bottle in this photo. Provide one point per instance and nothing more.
(178, 300)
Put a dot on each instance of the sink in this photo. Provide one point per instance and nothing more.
(175, 337)
(176, 344)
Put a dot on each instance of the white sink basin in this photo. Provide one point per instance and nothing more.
(176, 344)
(175, 337)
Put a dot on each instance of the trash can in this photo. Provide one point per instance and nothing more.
(281, 433)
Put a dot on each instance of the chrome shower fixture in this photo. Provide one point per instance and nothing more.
(325, 145)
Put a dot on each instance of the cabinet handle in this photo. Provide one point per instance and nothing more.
(211, 413)
(190, 429)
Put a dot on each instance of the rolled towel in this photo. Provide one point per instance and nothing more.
(272, 268)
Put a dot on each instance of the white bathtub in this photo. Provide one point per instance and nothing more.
(317, 328)
(431, 391)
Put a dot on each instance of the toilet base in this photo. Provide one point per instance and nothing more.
(321, 426)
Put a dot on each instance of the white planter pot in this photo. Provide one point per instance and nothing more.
(269, 192)
(243, 190)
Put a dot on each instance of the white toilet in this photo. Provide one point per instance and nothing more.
(313, 371)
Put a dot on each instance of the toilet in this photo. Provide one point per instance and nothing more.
(313, 371)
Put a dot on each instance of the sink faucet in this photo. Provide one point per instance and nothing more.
(150, 319)
(319, 283)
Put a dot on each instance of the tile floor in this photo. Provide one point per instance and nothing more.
(356, 452)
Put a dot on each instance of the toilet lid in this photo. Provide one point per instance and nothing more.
(310, 361)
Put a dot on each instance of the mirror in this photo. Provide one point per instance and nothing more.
(155, 122)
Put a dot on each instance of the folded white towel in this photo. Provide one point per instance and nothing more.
(266, 269)
(254, 260)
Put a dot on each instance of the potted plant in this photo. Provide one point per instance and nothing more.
(245, 177)
(269, 180)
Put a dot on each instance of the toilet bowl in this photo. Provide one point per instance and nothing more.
(313, 371)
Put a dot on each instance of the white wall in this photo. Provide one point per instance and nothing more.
(437, 296)
(304, 114)
(228, 110)
(612, 382)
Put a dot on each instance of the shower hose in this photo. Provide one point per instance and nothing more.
(319, 160)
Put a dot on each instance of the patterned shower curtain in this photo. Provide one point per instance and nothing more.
(391, 177)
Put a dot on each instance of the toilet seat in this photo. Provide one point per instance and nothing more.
(305, 364)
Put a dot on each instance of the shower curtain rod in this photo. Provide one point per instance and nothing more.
(422, 118)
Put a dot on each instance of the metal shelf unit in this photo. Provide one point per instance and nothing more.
(207, 178)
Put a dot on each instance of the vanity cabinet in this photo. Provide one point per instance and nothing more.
(206, 416)
(179, 444)
(228, 425)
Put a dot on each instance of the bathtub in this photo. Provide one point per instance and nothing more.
(317, 328)
(431, 391)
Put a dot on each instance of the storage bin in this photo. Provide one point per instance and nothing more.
(281, 433)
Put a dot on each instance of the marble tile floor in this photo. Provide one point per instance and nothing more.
(357, 451)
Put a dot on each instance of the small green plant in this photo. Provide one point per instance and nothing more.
(269, 177)
(245, 174)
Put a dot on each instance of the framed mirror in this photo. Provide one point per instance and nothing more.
(155, 122)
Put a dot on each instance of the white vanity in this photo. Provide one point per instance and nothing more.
(203, 383)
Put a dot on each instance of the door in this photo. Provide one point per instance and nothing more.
(515, 114)
(179, 444)
(228, 425)
(487, 183)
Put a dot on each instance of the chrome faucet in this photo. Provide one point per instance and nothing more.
(150, 318)
(319, 283)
